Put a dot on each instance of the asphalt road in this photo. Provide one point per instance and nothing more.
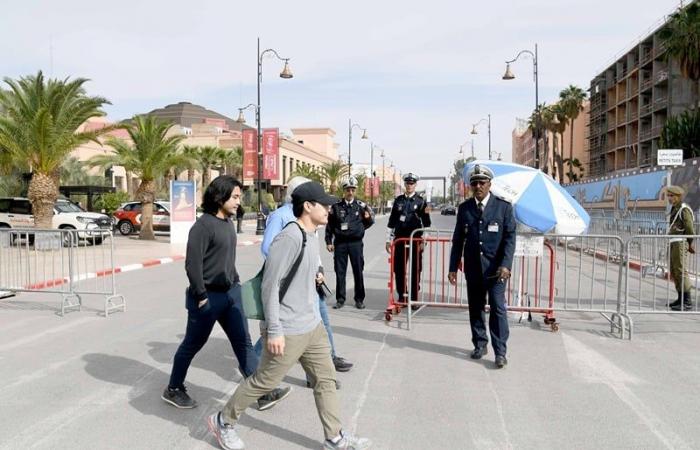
(83, 381)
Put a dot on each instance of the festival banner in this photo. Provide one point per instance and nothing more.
(250, 154)
(271, 151)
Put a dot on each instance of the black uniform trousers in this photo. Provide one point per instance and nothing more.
(478, 288)
(401, 264)
(354, 251)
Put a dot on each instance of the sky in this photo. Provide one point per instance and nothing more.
(415, 74)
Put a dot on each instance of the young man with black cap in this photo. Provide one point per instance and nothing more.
(293, 329)
(485, 236)
(409, 213)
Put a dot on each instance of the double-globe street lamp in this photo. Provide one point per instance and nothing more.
(538, 119)
(489, 132)
(351, 126)
(286, 74)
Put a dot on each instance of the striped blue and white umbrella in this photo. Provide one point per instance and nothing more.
(538, 201)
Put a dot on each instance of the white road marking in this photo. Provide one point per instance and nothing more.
(593, 367)
(37, 336)
(365, 389)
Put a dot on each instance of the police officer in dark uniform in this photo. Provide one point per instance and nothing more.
(485, 236)
(409, 213)
(347, 221)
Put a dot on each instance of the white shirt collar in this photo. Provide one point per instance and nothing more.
(349, 202)
(484, 201)
(410, 195)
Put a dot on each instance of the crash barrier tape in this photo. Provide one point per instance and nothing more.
(72, 263)
(550, 274)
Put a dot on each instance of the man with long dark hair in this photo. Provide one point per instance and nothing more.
(214, 293)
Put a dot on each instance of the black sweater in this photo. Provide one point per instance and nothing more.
(211, 256)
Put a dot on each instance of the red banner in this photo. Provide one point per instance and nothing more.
(250, 154)
(375, 186)
(368, 181)
(461, 188)
(271, 153)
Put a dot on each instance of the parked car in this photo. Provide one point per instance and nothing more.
(448, 210)
(16, 212)
(128, 217)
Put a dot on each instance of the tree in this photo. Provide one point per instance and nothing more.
(333, 172)
(305, 170)
(232, 162)
(40, 127)
(558, 128)
(571, 99)
(681, 36)
(73, 174)
(360, 191)
(150, 154)
(209, 157)
(574, 164)
(683, 131)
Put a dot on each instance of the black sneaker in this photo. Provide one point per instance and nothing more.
(338, 305)
(682, 307)
(360, 304)
(267, 401)
(178, 398)
(341, 365)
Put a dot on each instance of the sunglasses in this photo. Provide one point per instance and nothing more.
(478, 183)
(410, 182)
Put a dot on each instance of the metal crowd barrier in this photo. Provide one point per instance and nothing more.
(71, 263)
(550, 274)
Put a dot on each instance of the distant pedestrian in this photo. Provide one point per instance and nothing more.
(680, 223)
(214, 293)
(485, 236)
(293, 329)
(275, 223)
(347, 221)
(239, 218)
(408, 214)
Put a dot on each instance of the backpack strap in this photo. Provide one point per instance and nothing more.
(286, 281)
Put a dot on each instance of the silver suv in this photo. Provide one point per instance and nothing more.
(16, 212)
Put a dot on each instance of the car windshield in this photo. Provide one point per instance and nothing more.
(166, 205)
(67, 207)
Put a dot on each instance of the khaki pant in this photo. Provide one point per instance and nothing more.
(313, 351)
(679, 251)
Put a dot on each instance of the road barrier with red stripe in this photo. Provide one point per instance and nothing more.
(71, 263)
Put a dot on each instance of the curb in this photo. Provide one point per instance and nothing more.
(121, 269)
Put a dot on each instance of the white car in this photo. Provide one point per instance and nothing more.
(16, 212)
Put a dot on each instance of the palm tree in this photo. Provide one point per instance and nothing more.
(232, 162)
(209, 157)
(305, 170)
(547, 123)
(190, 151)
(571, 99)
(39, 127)
(574, 163)
(557, 128)
(150, 155)
(681, 36)
(361, 180)
(683, 131)
(73, 174)
(333, 172)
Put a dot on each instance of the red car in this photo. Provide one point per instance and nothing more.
(128, 217)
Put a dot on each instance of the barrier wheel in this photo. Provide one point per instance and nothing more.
(555, 327)
(387, 316)
(549, 320)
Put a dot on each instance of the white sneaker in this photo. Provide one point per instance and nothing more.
(348, 442)
(225, 433)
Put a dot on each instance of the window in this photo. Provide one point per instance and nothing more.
(21, 207)
(4, 205)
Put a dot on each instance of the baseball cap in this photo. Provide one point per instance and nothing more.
(312, 192)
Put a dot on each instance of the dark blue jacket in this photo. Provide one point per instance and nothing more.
(488, 241)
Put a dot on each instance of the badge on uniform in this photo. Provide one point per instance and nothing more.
(492, 228)
(402, 218)
(344, 226)
(415, 206)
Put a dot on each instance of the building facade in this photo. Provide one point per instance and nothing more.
(630, 103)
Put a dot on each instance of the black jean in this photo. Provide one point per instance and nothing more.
(353, 250)
(222, 307)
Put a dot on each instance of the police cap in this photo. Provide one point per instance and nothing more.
(411, 177)
(480, 173)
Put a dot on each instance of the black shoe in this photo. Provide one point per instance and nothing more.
(178, 398)
(501, 361)
(675, 304)
(341, 365)
(338, 305)
(267, 401)
(686, 306)
(360, 304)
(415, 307)
(478, 352)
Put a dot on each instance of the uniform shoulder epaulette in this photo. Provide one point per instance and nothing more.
(361, 203)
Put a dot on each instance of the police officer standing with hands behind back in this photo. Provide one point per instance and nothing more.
(485, 236)
(409, 213)
(347, 221)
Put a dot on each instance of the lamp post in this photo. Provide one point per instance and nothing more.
(538, 119)
(371, 174)
(286, 74)
(381, 188)
(364, 136)
(489, 131)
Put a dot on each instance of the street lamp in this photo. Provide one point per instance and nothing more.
(538, 119)
(364, 136)
(489, 131)
(371, 173)
(286, 74)
(381, 189)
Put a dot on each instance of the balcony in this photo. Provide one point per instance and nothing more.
(645, 109)
(661, 76)
(645, 135)
(646, 84)
(647, 55)
(656, 131)
(611, 125)
(660, 103)
(632, 114)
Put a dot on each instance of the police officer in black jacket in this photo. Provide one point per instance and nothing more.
(347, 221)
(485, 236)
(409, 213)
